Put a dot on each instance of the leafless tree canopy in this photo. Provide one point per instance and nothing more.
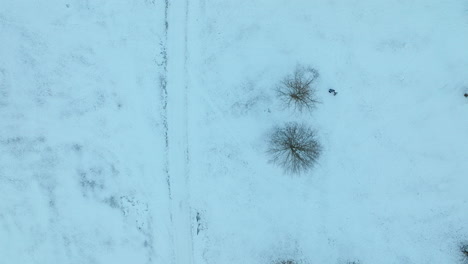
(294, 147)
(297, 90)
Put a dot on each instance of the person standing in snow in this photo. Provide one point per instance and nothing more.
(332, 91)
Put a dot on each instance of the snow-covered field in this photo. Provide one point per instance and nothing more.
(81, 145)
(135, 131)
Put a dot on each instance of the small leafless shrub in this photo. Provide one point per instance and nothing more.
(287, 261)
(297, 91)
(464, 250)
(294, 147)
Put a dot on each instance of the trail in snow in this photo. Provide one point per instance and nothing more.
(174, 95)
(163, 85)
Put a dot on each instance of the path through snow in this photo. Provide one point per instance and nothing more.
(176, 88)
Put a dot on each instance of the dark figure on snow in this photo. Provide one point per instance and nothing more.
(466, 95)
(332, 91)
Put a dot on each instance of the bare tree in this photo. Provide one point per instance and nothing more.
(297, 90)
(294, 147)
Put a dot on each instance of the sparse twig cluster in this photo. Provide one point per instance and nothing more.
(464, 250)
(287, 261)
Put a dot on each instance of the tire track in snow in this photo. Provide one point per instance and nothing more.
(174, 96)
(164, 117)
(163, 85)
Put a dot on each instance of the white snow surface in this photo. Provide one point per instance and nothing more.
(135, 131)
